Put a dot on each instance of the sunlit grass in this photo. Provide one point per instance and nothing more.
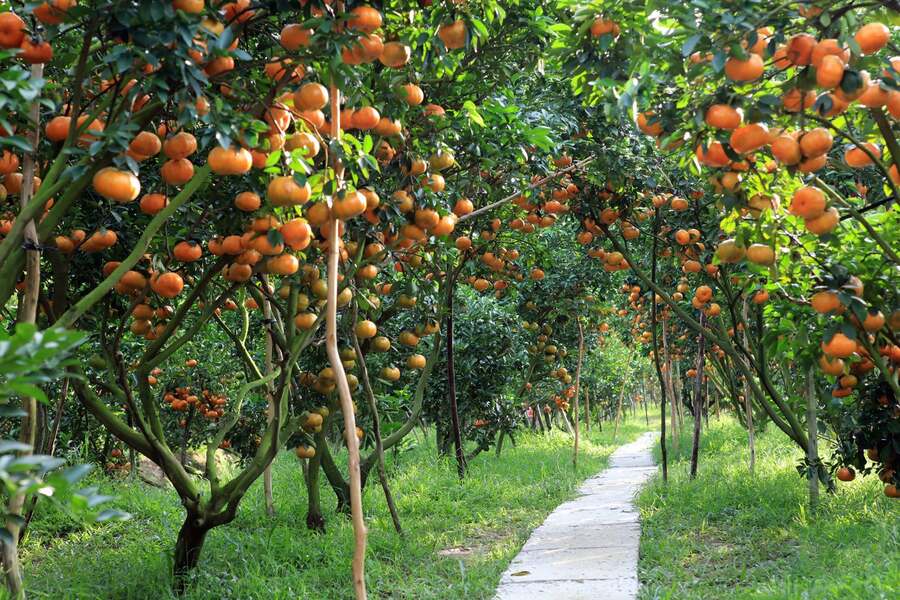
(489, 514)
(730, 534)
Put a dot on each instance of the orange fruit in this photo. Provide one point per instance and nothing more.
(808, 202)
(872, 37)
(744, 70)
(722, 116)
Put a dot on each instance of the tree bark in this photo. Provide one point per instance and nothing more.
(331, 347)
(188, 547)
(619, 411)
(314, 518)
(587, 409)
(27, 313)
(376, 426)
(748, 403)
(812, 450)
(577, 390)
(698, 399)
(270, 408)
(451, 386)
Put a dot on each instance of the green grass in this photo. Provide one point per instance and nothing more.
(732, 535)
(492, 512)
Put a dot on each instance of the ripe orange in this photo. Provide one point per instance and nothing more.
(723, 116)
(177, 172)
(294, 36)
(187, 251)
(786, 150)
(744, 70)
(395, 55)
(311, 96)
(824, 223)
(12, 30)
(180, 145)
(117, 185)
(167, 285)
(749, 138)
(829, 72)
(872, 37)
(839, 346)
(230, 161)
(816, 142)
(453, 34)
(808, 202)
(846, 474)
(825, 302)
(365, 19)
(800, 49)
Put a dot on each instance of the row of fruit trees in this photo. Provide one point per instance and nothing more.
(315, 225)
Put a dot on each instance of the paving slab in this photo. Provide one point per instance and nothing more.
(595, 535)
(587, 549)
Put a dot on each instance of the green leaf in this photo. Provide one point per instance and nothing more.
(687, 48)
(473, 113)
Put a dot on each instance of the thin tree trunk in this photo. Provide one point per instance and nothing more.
(376, 426)
(334, 358)
(314, 518)
(668, 389)
(678, 395)
(451, 386)
(57, 417)
(698, 399)
(27, 313)
(812, 450)
(270, 409)
(577, 390)
(619, 411)
(646, 411)
(587, 408)
(748, 403)
(50, 447)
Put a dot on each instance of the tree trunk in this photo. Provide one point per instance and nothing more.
(27, 313)
(677, 400)
(587, 408)
(334, 358)
(698, 399)
(577, 390)
(188, 547)
(812, 450)
(668, 389)
(451, 387)
(376, 424)
(619, 411)
(748, 403)
(270, 408)
(314, 518)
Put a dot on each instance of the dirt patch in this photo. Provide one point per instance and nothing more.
(479, 545)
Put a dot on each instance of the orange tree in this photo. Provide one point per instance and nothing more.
(787, 110)
(160, 156)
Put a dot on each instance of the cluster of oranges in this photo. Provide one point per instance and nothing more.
(846, 357)
(207, 404)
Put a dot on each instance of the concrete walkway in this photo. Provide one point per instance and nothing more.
(587, 549)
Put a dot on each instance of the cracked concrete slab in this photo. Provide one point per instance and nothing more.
(587, 549)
